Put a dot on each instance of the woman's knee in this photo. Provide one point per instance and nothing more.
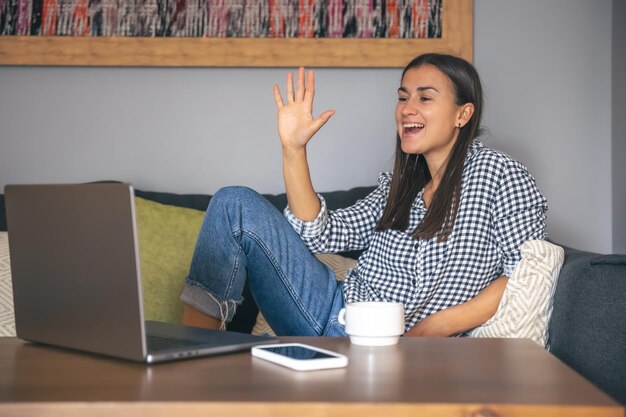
(234, 194)
(240, 200)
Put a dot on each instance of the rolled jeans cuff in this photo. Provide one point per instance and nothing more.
(209, 304)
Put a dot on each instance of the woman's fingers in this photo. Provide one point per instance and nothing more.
(277, 98)
(296, 109)
(321, 121)
(301, 89)
(310, 87)
(305, 90)
(290, 96)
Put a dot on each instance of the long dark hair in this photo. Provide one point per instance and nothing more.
(410, 172)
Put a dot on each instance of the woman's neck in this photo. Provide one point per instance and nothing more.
(435, 179)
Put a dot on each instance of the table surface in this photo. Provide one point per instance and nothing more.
(436, 376)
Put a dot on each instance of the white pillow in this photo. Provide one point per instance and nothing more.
(7, 319)
(526, 305)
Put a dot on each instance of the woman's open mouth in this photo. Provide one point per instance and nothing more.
(412, 127)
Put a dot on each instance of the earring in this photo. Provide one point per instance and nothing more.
(458, 126)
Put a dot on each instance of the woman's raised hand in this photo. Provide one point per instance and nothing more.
(296, 125)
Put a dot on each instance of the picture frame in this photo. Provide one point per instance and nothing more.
(457, 39)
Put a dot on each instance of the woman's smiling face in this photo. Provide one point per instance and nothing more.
(427, 115)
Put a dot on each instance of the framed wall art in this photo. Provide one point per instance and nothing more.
(232, 33)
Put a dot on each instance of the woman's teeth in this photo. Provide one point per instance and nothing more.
(412, 128)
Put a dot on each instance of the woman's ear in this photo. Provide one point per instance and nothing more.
(465, 114)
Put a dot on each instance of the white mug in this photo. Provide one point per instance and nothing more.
(373, 323)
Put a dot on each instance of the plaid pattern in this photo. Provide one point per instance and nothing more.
(500, 208)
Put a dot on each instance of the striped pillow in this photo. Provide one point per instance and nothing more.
(7, 319)
(526, 305)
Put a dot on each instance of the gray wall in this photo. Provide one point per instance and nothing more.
(619, 132)
(546, 66)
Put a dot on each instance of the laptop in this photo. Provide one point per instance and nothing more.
(77, 281)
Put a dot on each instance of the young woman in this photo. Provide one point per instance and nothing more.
(440, 234)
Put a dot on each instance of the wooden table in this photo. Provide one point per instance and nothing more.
(419, 376)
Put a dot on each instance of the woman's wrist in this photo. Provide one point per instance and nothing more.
(477, 311)
(293, 152)
(454, 321)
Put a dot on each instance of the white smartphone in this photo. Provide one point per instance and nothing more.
(300, 357)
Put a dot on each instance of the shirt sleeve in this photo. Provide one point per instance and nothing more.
(309, 228)
(519, 214)
(345, 229)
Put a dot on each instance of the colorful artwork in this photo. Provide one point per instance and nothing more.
(399, 19)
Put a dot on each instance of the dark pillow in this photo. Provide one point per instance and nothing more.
(194, 201)
(334, 199)
(341, 199)
(588, 324)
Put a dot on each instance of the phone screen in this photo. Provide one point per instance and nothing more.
(298, 352)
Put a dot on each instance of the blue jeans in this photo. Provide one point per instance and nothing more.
(244, 237)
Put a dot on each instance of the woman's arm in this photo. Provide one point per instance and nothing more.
(296, 126)
(464, 316)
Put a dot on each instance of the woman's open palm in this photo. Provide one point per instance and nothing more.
(296, 125)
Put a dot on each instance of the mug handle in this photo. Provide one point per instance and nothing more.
(341, 318)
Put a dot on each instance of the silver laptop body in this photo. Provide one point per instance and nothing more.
(77, 282)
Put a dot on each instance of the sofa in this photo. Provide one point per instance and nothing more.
(586, 330)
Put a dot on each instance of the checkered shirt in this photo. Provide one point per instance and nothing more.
(500, 208)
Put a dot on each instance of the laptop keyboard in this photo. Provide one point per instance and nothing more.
(158, 343)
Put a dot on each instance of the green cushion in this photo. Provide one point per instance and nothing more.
(167, 238)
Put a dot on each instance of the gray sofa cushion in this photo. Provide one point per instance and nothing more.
(588, 324)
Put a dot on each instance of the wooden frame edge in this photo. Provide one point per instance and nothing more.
(238, 52)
